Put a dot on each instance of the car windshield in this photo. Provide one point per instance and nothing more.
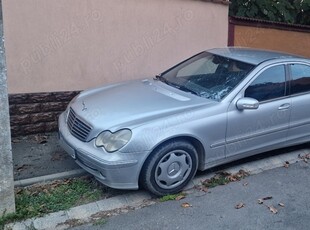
(207, 75)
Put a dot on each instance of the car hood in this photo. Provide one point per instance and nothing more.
(130, 104)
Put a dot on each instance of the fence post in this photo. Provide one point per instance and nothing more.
(7, 200)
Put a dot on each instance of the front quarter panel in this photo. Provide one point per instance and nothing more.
(208, 126)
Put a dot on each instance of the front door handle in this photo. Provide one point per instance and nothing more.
(284, 106)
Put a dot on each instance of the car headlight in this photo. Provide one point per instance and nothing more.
(113, 141)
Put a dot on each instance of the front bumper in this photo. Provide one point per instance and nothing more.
(116, 170)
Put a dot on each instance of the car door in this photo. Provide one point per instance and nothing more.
(251, 131)
(299, 127)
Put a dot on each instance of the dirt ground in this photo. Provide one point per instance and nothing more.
(39, 155)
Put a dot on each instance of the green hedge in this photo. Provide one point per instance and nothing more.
(288, 11)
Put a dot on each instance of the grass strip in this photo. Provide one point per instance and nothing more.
(41, 199)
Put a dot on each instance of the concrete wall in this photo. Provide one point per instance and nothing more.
(280, 37)
(67, 45)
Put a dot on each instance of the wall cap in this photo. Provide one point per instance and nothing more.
(243, 21)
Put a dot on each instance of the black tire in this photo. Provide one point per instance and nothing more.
(177, 157)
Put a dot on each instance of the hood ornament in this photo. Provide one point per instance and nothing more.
(84, 106)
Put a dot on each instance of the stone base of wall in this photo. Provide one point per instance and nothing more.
(33, 113)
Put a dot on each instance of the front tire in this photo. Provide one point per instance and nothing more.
(170, 167)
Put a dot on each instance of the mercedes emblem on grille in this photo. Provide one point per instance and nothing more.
(84, 106)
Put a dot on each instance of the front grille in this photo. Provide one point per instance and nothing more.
(77, 127)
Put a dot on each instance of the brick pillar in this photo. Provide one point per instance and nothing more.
(7, 200)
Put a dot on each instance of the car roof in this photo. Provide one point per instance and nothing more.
(251, 55)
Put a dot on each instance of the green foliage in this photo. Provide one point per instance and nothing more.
(61, 198)
(100, 222)
(216, 181)
(171, 197)
(288, 11)
(60, 195)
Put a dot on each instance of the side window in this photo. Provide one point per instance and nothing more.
(300, 78)
(270, 84)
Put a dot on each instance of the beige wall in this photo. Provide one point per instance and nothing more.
(60, 45)
(275, 39)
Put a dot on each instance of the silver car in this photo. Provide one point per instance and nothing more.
(215, 107)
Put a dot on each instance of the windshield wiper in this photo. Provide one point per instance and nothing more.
(183, 88)
(164, 80)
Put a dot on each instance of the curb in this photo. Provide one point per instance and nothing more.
(135, 199)
(257, 166)
(56, 176)
(61, 220)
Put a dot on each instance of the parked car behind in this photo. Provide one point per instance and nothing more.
(215, 107)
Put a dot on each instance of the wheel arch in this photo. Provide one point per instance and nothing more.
(192, 140)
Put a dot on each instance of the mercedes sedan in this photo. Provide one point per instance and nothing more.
(215, 107)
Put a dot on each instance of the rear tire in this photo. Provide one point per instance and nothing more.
(170, 167)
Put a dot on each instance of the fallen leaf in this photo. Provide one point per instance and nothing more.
(202, 188)
(35, 193)
(237, 176)
(180, 197)
(57, 156)
(223, 178)
(67, 181)
(14, 140)
(23, 167)
(232, 178)
(286, 164)
(40, 139)
(267, 198)
(240, 205)
(281, 204)
(206, 181)
(261, 200)
(243, 173)
(18, 190)
(273, 209)
(186, 205)
(305, 157)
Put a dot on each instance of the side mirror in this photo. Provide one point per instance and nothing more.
(247, 103)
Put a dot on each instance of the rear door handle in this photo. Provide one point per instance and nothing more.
(284, 106)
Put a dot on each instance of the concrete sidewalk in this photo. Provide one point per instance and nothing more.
(137, 199)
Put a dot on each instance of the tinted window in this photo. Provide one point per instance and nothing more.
(300, 78)
(270, 84)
